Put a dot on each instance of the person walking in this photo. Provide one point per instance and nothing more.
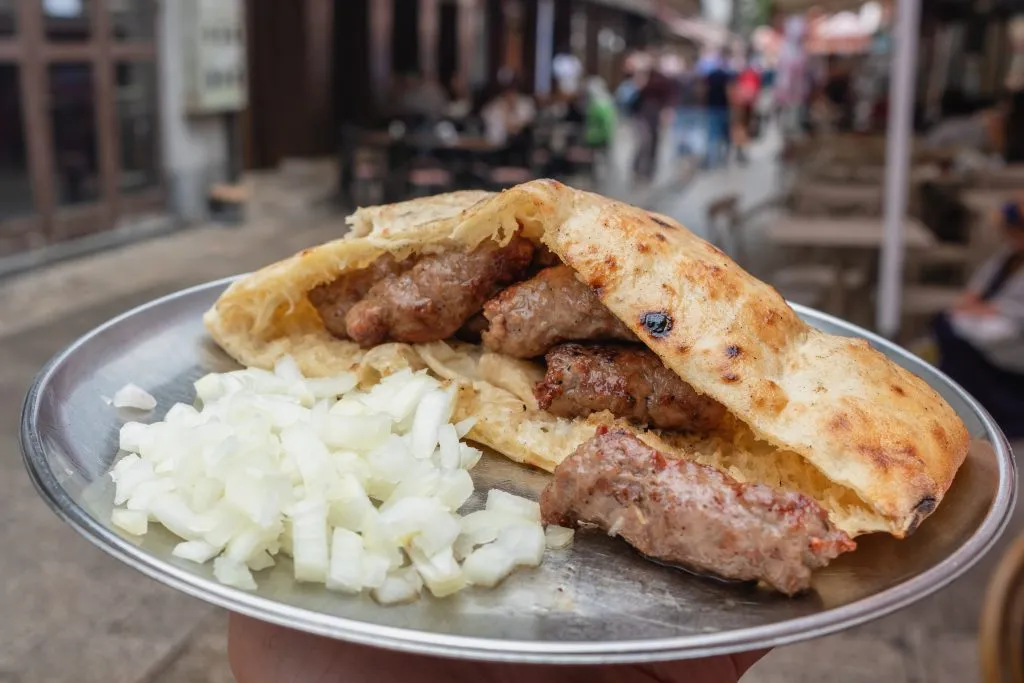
(717, 84)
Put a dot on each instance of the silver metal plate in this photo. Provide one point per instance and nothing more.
(597, 601)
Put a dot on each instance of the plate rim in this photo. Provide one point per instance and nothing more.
(490, 649)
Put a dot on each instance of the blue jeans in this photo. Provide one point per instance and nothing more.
(718, 136)
(690, 131)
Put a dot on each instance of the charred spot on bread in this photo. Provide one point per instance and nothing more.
(898, 390)
(659, 221)
(733, 351)
(730, 377)
(660, 237)
(657, 323)
(924, 507)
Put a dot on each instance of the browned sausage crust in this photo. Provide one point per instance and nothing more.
(333, 300)
(433, 299)
(529, 318)
(629, 381)
(692, 515)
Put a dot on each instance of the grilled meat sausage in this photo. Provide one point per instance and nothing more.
(629, 381)
(529, 318)
(692, 515)
(434, 298)
(334, 299)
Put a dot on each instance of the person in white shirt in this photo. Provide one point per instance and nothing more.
(981, 338)
(508, 115)
(568, 71)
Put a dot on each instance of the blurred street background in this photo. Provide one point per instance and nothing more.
(148, 146)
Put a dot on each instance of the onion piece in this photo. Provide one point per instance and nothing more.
(525, 543)
(346, 571)
(356, 432)
(132, 435)
(309, 541)
(433, 411)
(465, 426)
(558, 537)
(331, 387)
(232, 573)
(260, 561)
(488, 566)
(440, 572)
(135, 522)
(287, 369)
(199, 552)
(401, 585)
(132, 396)
(500, 501)
(448, 456)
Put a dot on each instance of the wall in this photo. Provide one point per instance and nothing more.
(194, 149)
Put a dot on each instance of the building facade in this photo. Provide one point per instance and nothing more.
(99, 130)
(94, 130)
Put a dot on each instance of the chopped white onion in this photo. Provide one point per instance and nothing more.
(309, 540)
(233, 573)
(558, 536)
(500, 501)
(440, 572)
(524, 542)
(488, 566)
(134, 522)
(260, 561)
(462, 428)
(346, 572)
(434, 410)
(401, 585)
(199, 552)
(131, 436)
(132, 396)
(352, 484)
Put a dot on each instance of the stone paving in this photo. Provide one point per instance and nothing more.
(72, 614)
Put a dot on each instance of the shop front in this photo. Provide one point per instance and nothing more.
(79, 123)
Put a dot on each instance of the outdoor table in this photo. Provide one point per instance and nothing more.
(848, 241)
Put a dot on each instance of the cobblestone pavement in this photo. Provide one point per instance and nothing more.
(72, 614)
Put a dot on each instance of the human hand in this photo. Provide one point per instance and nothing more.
(264, 653)
(971, 304)
(966, 302)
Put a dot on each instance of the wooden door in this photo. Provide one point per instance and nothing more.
(79, 118)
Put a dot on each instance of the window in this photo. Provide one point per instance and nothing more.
(8, 18)
(132, 20)
(15, 185)
(137, 124)
(73, 123)
(67, 20)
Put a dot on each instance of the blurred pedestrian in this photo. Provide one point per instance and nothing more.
(981, 338)
(717, 85)
(744, 98)
(689, 124)
(654, 98)
(600, 115)
(508, 115)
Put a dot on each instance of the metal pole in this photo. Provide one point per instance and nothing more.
(897, 164)
(545, 46)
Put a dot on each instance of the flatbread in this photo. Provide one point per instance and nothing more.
(826, 415)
